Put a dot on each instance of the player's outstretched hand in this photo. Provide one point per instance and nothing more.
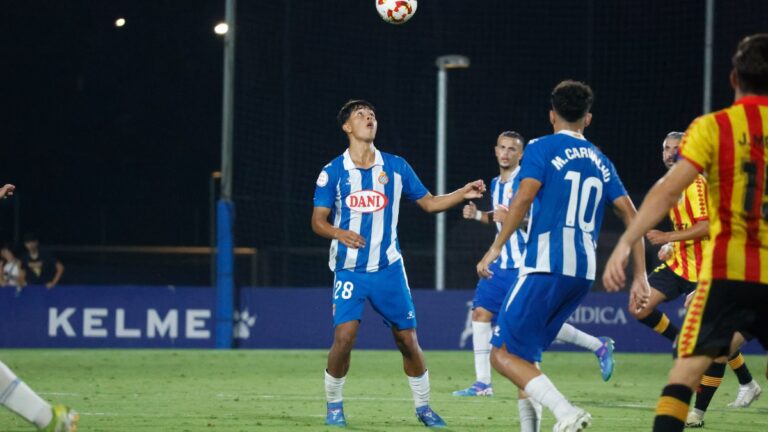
(499, 213)
(639, 293)
(7, 190)
(350, 239)
(469, 211)
(475, 189)
(656, 237)
(614, 277)
(483, 269)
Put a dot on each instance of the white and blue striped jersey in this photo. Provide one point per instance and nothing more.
(367, 201)
(577, 181)
(501, 196)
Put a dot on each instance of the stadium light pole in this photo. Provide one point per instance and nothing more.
(443, 63)
(225, 245)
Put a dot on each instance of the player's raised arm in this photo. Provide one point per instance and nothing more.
(323, 228)
(662, 196)
(519, 207)
(436, 204)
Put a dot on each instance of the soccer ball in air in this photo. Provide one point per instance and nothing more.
(396, 11)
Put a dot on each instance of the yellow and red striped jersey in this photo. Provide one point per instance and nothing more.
(687, 255)
(729, 147)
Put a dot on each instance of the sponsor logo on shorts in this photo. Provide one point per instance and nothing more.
(366, 201)
(410, 315)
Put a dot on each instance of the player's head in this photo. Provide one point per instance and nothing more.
(571, 102)
(750, 65)
(670, 147)
(509, 149)
(357, 118)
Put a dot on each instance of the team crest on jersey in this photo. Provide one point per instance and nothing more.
(322, 179)
(366, 201)
(383, 179)
(509, 194)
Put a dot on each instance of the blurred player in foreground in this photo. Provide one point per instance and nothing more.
(682, 253)
(19, 398)
(360, 190)
(729, 147)
(490, 293)
(572, 182)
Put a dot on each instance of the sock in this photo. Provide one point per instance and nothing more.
(660, 323)
(530, 415)
(420, 389)
(711, 380)
(672, 408)
(19, 398)
(571, 334)
(333, 387)
(481, 342)
(541, 390)
(739, 366)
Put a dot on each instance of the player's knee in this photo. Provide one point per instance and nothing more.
(407, 342)
(481, 314)
(344, 339)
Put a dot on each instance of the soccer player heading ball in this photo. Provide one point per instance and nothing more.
(360, 191)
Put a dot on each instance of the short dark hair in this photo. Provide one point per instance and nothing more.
(351, 105)
(572, 100)
(30, 236)
(751, 64)
(513, 135)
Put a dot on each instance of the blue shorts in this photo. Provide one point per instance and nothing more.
(490, 293)
(534, 310)
(387, 291)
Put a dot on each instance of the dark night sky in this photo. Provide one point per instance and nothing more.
(111, 134)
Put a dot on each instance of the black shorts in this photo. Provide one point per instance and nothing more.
(720, 308)
(669, 283)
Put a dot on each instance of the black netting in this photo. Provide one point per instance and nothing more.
(297, 62)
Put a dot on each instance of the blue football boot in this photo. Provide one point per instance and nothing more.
(605, 357)
(335, 415)
(429, 417)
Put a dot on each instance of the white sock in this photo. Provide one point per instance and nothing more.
(333, 387)
(571, 334)
(530, 415)
(541, 390)
(420, 389)
(481, 341)
(19, 398)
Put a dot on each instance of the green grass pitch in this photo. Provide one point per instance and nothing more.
(193, 390)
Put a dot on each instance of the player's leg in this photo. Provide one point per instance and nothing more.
(19, 398)
(665, 286)
(710, 382)
(489, 295)
(390, 296)
(718, 308)
(749, 389)
(532, 314)
(529, 412)
(348, 301)
(601, 346)
(481, 347)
